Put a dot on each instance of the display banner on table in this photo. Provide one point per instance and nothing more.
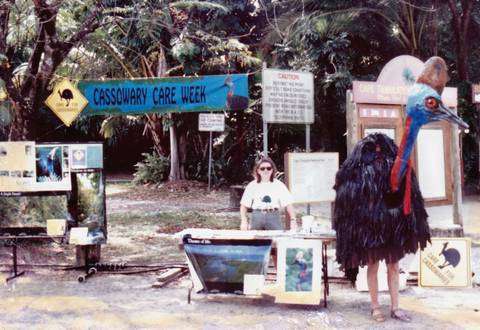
(162, 95)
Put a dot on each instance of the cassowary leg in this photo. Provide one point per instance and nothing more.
(372, 281)
(393, 275)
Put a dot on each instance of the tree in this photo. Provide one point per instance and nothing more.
(461, 12)
(30, 55)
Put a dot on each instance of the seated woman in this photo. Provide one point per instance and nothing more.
(266, 195)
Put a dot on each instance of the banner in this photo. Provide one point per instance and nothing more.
(162, 95)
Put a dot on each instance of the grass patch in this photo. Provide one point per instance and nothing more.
(172, 222)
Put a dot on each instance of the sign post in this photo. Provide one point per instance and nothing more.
(288, 98)
(210, 122)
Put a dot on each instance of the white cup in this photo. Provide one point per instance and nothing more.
(307, 222)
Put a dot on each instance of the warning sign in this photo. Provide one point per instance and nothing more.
(287, 96)
(66, 102)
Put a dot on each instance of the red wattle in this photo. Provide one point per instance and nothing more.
(407, 198)
(395, 173)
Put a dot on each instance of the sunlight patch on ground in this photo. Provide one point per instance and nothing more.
(112, 189)
(52, 304)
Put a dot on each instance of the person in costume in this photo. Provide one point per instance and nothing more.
(379, 209)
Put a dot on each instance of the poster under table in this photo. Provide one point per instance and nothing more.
(299, 274)
(221, 264)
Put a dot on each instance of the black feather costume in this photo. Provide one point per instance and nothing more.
(368, 217)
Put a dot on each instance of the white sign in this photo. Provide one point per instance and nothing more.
(446, 263)
(211, 122)
(311, 176)
(287, 96)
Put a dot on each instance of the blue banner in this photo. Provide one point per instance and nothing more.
(162, 95)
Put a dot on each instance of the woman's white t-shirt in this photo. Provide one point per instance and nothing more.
(266, 195)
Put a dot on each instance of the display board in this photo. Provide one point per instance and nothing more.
(26, 203)
(27, 167)
(287, 96)
(431, 163)
(311, 176)
(446, 263)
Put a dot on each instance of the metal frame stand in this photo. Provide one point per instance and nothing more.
(326, 287)
(15, 263)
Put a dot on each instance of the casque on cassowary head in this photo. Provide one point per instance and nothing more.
(379, 209)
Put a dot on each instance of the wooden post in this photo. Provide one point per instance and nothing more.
(92, 253)
(352, 122)
(457, 178)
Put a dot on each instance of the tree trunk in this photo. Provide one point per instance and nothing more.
(461, 24)
(182, 153)
(21, 127)
(174, 160)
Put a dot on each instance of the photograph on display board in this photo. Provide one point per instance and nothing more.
(52, 168)
(31, 211)
(89, 202)
(79, 157)
(49, 163)
(299, 270)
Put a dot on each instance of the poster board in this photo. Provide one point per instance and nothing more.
(431, 163)
(299, 271)
(81, 202)
(446, 263)
(287, 96)
(28, 167)
(311, 176)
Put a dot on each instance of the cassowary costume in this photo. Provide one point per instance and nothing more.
(379, 209)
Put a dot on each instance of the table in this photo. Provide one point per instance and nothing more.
(274, 235)
(14, 240)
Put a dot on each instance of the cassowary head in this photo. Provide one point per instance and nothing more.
(424, 103)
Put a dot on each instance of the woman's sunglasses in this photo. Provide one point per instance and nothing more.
(268, 168)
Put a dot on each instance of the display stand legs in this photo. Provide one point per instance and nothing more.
(15, 268)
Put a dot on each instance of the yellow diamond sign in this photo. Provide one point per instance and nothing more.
(66, 102)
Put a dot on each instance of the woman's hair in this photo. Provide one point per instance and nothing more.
(257, 165)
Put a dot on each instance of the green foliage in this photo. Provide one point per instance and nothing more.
(153, 169)
(31, 211)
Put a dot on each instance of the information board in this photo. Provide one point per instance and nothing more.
(287, 96)
(311, 176)
(27, 167)
(211, 122)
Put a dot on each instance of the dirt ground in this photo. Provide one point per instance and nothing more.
(141, 223)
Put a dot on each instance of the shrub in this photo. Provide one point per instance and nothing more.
(152, 169)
